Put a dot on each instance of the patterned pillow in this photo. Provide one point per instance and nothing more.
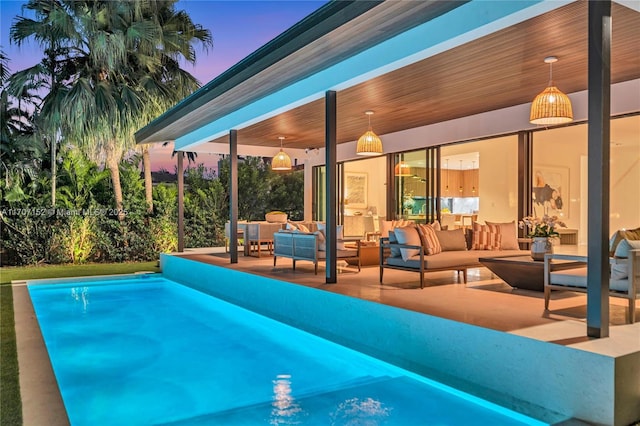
(303, 228)
(508, 235)
(485, 237)
(429, 239)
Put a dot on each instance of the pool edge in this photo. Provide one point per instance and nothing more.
(41, 399)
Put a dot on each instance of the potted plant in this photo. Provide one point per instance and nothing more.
(541, 230)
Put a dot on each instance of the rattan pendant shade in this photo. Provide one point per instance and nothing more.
(369, 144)
(551, 106)
(402, 169)
(281, 161)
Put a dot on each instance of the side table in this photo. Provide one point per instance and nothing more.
(369, 254)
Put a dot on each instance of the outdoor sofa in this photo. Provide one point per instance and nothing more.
(406, 248)
(308, 246)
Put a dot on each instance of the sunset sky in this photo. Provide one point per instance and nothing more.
(238, 28)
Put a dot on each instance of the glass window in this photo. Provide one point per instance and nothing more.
(479, 182)
(560, 164)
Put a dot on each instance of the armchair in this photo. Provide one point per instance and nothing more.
(307, 246)
(624, 278)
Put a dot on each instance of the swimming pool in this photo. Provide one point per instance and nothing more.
(151, 351)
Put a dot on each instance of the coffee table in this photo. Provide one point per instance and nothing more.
(524, 272)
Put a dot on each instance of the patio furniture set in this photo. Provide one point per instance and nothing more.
(425, 248)
(406, 246)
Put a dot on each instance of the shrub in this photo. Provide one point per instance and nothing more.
(75, 241)
(164, 232)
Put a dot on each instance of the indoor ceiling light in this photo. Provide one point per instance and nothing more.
(403, 169)
(551, 106)
(369, 143)
(281, 161)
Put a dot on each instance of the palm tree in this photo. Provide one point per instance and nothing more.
(20, 152)
(53, 31)
(121, 67)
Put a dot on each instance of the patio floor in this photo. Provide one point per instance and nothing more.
(485, 300)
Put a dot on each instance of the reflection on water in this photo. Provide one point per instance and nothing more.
(81, 294)
(285, 410)
(367, 412)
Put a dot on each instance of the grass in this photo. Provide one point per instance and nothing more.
(10, 402)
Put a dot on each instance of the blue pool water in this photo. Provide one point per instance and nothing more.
(151, 351)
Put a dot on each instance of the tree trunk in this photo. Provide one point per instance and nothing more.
(113, 164)
(54, 173)
(148, 183)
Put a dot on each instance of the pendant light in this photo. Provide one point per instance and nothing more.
(551, 106)
(281, 161)
(446, 188)
(369, 144)
(402, 169)
(473, 178)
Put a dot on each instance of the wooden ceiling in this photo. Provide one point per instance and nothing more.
(500, 70)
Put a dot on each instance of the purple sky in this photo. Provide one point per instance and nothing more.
(238, 28)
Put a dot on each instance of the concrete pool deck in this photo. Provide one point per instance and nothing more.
(484, 301)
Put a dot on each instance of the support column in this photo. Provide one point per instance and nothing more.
(331, 213)
(598, 167)
(233, 196)
(180, 172)
(525, 170)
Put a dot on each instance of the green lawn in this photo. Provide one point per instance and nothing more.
(10, 403)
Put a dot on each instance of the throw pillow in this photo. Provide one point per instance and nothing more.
(632, 234)
(322, 230)
(508, 235)
(622, 251)
(408, 235)
(291, 226)
(485, 237)
(395, 252)
(629, 234)
(389, 225)
(429, 239)
(619, 270)
(614, 241)
(452, 240)
(303, 228)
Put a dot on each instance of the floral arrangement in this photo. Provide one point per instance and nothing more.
(541, 227)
